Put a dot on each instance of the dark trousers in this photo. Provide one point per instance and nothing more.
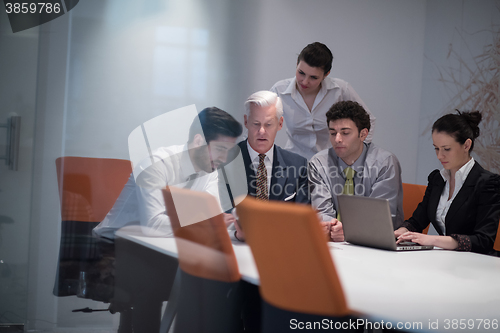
(252, 308)
(143, 280)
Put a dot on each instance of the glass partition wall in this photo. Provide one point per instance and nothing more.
(81, 84)
(18, 74)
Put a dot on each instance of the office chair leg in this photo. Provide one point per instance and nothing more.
(170, 310)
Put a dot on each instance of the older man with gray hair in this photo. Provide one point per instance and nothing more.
(272, 172)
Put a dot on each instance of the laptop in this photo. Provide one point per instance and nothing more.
(367, 222)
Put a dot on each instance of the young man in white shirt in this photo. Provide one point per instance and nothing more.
(212, 134)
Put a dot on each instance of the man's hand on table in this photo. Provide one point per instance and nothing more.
(336, 231)
(228, 219)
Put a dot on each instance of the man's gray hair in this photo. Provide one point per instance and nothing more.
(264, 98)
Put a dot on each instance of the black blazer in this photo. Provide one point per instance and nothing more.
(289, 180)
(473, 216)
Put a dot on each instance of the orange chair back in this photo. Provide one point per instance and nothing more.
(412, 196)
(296, 269)
(204, 248)
(88, 187)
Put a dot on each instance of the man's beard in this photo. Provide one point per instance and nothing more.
(202, 159)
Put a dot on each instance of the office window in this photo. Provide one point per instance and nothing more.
(180, 62)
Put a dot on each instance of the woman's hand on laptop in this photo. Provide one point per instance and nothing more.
(444, 242)
(400, 231)
(415, 237)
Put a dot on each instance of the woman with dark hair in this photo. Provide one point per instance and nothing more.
(308, 96)
(462, 200)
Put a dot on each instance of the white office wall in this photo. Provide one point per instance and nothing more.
(124, 69)
(130, 61)
(377, 48)
(461, 72)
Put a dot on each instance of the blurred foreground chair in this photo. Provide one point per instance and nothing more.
(412, 196)
(88, 188)
(210, 292)
(298, 279)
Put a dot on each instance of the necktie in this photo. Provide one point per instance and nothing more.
(262, 179)
(349, 184)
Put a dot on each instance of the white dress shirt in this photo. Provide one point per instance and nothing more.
(444, 203)
(141, 201)
(268, 161)
(307, 130)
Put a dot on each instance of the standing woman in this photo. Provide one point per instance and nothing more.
(308, 96)
(462, 200)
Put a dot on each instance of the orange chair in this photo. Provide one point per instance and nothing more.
(412, 196)
(210, 292)
(88, 188)
(298, 279)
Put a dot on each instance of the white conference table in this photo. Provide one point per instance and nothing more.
(444, 289)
